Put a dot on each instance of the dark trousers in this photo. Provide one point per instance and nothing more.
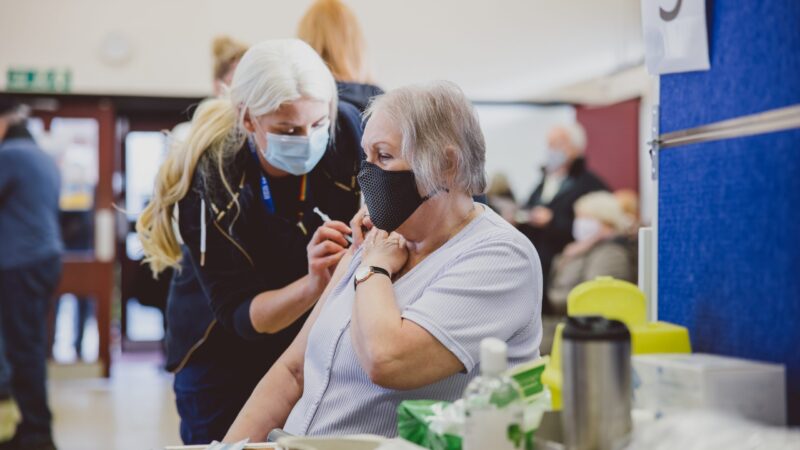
(25, 295)
(212, 388)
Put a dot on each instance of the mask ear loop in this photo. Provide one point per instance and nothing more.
(250, 138)
(428, 197)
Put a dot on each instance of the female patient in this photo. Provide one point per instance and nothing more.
(403, 316)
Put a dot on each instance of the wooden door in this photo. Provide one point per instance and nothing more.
(90, 272)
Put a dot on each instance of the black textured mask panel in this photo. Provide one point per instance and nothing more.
(391, 196)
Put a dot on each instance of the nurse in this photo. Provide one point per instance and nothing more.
(232, 212)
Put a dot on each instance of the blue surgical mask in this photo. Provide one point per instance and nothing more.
(297, 155)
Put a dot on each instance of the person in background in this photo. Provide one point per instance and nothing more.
(77, 234)
(600, 248)
(629, 202)
(241, 193)
(500, 197)
(404, 314)
(30, 269)
(565, 178)
(227, 53)
(332, 29)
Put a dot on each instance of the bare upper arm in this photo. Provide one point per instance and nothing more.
(418, 359)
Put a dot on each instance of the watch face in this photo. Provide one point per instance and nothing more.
(362, 272)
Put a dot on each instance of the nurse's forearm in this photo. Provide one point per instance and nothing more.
(272, 311)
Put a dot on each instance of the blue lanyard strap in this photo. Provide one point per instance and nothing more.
(266, 192)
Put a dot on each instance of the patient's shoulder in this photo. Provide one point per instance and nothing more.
(490, 230)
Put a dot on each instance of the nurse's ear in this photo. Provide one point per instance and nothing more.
(248, 123)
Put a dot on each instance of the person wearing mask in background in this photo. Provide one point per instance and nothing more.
(241, 191)
(600, 248)
(332, 29)
(30, 269)
(403, 316)
(565, 178)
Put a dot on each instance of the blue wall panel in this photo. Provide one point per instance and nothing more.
(729, 248)
(754, 48)
(729, 211)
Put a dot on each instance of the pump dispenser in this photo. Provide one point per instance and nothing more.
(493, 403)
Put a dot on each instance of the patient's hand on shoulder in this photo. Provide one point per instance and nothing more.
(385, 250)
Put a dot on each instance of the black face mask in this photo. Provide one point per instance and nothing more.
(391, 196)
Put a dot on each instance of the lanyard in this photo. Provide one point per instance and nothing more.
(266, 193)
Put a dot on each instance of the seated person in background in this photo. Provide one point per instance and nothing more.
(565, 179)
(501, 198)
(629, 202)
(404, 313)
(600, 248)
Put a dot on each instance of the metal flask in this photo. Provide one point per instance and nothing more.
(596, 365)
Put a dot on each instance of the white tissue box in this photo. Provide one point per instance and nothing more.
(670, 383)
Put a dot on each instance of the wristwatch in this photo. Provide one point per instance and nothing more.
(364, 272)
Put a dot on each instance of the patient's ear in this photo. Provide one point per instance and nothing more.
(453, 161)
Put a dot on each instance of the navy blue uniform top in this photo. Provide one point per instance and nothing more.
(257, 251)
(358, 94)
(29, 191)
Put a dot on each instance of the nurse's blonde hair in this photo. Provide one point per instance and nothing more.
(269, 74)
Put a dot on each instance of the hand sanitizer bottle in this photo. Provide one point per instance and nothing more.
(493, 404)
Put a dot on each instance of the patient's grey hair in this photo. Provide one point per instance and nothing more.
(431, 118)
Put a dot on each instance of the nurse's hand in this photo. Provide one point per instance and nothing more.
(385, 250)
(359, 223)
(326, 248)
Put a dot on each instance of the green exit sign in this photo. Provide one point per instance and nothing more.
(33, 80)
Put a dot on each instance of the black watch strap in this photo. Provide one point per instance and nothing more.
(372, 270)
(381, 270)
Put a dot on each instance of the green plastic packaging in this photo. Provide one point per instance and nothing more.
(414, 417)
(413, 425)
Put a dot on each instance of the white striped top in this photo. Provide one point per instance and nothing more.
(485, 281)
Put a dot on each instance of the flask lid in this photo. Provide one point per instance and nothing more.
(595, 328)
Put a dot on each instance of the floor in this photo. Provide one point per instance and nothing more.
(132, 410)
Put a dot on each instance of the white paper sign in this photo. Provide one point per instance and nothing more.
(675, 35)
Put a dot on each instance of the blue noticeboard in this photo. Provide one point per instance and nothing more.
(729, 210)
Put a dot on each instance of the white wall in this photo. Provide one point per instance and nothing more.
(496, 50)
